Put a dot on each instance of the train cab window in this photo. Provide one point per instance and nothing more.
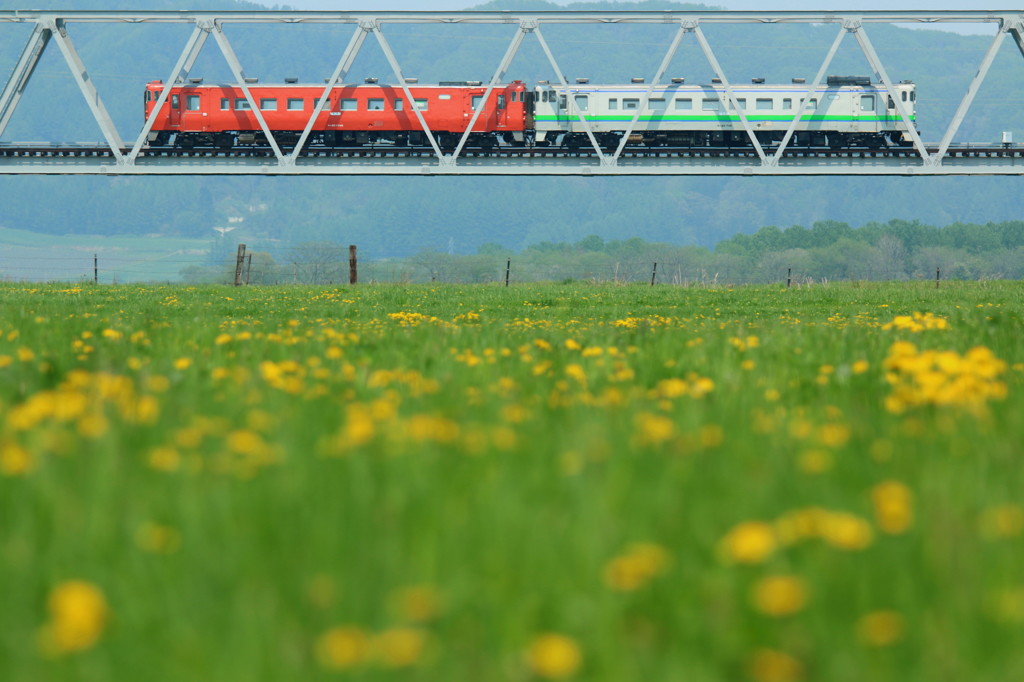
(684, 103)
(630, 103)
(375, 104)
(175, 102)
(476, 101)
(867, 102)
(242, 104)
(710, 105)
(512, 96)
(268, 104)
(192, 102)
(764, 104)
(582, 102)
(296, 104)
(656, 104)
(913, 95)
(904, 93)
(348, 105)
(613, 103)
(398, 105)
(420, 103)
(787, 103)
(225, 104)
(501, 101)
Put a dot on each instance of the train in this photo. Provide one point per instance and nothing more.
(845, 112)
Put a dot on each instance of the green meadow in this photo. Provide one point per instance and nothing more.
(468, 483)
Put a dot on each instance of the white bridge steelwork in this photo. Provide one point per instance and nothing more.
(133, 157)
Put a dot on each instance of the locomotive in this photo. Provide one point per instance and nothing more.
(848, 111)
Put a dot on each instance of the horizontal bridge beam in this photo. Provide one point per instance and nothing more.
(508, 17)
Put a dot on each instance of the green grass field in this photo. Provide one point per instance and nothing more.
(477, 483)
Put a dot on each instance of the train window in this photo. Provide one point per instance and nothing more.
(317, 101)
(296, 104)
(420, 104)
(892, 105)
(682, 103)
(765, 104)
(268, 104)
(476, 101)
(582, 102)
(561, 102)
(913, 95)
(501, 101)
(630, 103)
(656, 104)
(867, 102)
(812, 103)
(242, 104)
(710, 105)
(904, 95)
(444, 96)
(512, 97)
(398, 105)
(192, 102)
(375, 104)
(225, 104)
(613, 103)
(787, 103)
(175, 103)
(741, 103)
(348, 104)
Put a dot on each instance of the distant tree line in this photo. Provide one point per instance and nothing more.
(828, 250)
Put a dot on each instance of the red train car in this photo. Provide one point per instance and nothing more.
(220, 115)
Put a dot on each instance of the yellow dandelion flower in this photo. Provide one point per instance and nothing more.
(779, 595)
(750, 542)
(15, 460)
(769, 665)
(652, 429)
(860, 366)
(881, 628)
(636, 567)
(417, 603)
(845, 531)
(1002, 521)
(157, 539)
(181, 364)
(816, 461)
(342, 648)
(78, 614)
(893, 503)
(399, 647)
(553, 656)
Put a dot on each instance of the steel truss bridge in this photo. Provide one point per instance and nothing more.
(117, 156)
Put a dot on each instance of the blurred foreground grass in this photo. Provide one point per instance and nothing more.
(540, 482)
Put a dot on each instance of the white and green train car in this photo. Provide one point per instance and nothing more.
(848, 111)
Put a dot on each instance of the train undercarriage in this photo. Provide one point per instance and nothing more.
(609, 141)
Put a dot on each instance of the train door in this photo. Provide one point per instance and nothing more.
(175, 117)
(193, 116)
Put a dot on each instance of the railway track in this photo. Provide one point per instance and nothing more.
(87, 151)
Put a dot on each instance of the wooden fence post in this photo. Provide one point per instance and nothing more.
(239, 262)
(353, 268)
(508, 270)
(654, 273)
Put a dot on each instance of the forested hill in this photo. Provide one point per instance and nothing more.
(391, 217)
